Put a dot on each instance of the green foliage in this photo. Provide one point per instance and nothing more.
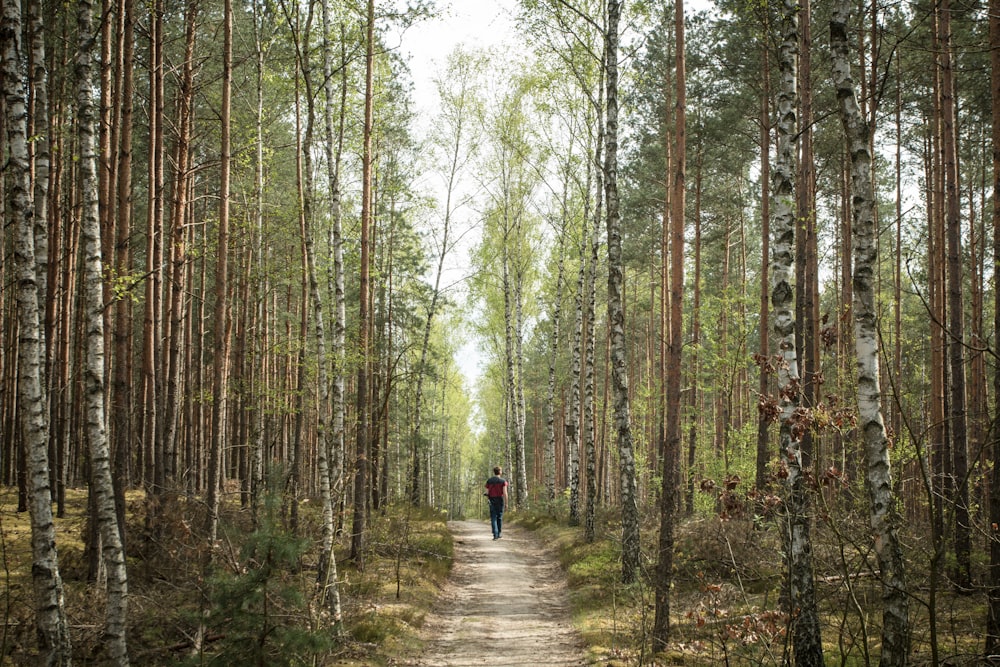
(259, 611)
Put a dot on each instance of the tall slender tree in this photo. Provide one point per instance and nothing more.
(798, 551)
(764, 418)
(456, 91)
(361, 483)
(616, 306)
(53, 630)
(331, 395)
(882, 501)
(590, 312)
(221, 315)
(957, 418)
(97, 432)
(672, 381)
(992, 649)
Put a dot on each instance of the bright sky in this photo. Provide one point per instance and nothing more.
(474, 23)
(426, 45)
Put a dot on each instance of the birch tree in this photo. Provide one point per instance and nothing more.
(616, 306)
(882, 502)
(97, 431)
(53, 631)
(331, 389)
(801, 588)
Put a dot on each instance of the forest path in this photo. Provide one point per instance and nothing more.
(505, 603)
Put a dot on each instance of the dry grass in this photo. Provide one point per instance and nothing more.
(725, 596)
(167, 589)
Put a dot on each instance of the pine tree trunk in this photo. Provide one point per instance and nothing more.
(882, 502)
(102, 488)
(956, 327)
(806, 638)
(361, 485)
(121, 391)
(764, 418)
(152, 321)
(53, 631)
(993, 599)
(616, 309)
(807, 269)
(178, 253)
(220, 314)
(668, 491)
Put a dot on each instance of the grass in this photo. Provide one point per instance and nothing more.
(725, 599)
(384, 604)
(726, 588)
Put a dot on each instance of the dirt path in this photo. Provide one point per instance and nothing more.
(505, 604)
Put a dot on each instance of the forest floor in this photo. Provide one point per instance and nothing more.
(505, 603)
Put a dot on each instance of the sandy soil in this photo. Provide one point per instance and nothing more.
(504, 604)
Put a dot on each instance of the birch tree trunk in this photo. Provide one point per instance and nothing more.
(93, 279)
(616, 309)
(41, 158)
(332, 430)
(882, 501)
(589, 426)
(53, 632)
(801, 588)
(256, 482)
(573, 407)
(520, 413)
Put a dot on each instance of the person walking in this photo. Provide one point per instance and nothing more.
(496, 492)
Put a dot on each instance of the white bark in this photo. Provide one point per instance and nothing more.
(572, 434)
(97, 433)
(589, 428)
(882, 501)
(331, 437)
(521, 488)
(41, 158)
(53, 633)
(616, 310)
(549, 462)
(801, 593)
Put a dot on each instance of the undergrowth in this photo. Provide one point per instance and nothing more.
(726, 593)
(257, 605)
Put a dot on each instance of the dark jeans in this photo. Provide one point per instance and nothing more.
(496, 516)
